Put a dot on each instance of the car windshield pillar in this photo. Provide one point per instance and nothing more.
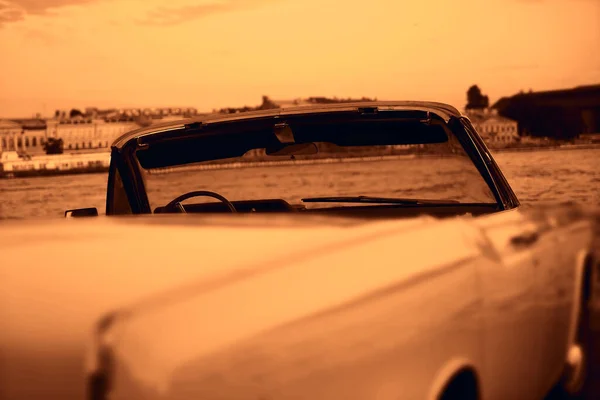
(126, 191)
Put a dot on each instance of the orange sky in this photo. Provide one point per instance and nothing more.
(216, 53)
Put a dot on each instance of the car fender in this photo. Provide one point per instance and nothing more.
(445, 374)
(580, 264)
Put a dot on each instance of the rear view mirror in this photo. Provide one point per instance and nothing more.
(81, 212)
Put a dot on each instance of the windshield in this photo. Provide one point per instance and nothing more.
(328, 174)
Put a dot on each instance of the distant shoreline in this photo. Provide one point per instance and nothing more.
(546, 148)
(36, 173)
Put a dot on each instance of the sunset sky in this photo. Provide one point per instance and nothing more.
(216, 53)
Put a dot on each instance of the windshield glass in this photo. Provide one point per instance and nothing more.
(427, 171)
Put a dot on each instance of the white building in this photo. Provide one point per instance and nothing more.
(9, 132)
(23, 136)
(494, 129)
(91, 132)
(88, 134)
(29, 136)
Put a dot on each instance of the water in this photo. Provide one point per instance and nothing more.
(454, 178)
(546, 176)
(561, 175)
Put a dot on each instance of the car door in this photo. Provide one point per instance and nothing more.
(511, 315)
(553, 305)
(559, 243)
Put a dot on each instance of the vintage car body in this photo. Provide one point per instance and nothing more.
(380, 310)
(413, 299)
(355, 309)
(491, 307)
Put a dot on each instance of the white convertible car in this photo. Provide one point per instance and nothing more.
(355, 251)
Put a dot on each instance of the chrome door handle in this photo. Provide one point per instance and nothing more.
(525, 239)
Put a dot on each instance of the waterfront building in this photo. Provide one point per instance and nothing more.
(25, 136)
(33, 136)
(10, 131)
(90, 131)
(495, 130)
(28, 137)
(87, 133)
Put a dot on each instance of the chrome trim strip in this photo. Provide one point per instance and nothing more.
(445, 111)
(470, 132)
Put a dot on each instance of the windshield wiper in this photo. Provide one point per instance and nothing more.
(375, 200)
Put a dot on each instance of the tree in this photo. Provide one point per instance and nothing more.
(53, 146)
(475, 99)
(267, 104)
(143, 121)
(74, 113)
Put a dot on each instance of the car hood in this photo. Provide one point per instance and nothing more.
(59, 277)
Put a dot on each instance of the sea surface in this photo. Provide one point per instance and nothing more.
(536, 176)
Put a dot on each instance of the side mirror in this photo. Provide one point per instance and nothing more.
(82, 212)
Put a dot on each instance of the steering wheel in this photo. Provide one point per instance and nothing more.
(176, 202)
